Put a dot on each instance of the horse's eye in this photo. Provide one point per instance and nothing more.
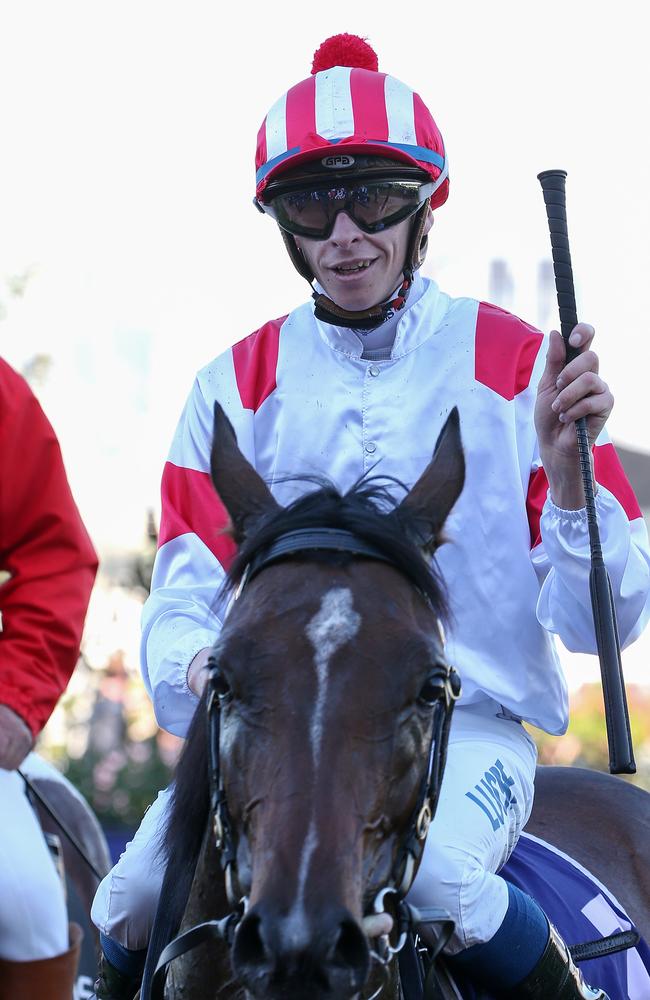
(220, 685)
(432, 690)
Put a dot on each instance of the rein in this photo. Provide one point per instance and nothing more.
(447, 691)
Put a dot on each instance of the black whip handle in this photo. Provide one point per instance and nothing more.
(619, 737)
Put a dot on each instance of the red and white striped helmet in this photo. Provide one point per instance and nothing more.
(346, 106)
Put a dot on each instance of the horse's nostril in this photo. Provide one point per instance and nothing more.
(351, 948)
(249, 948)
(276, 956)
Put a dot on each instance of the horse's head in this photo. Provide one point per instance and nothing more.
(326, 668)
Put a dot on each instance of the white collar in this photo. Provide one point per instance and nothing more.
(405, 329)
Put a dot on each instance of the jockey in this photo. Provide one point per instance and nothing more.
(47, 569)
(351, 166)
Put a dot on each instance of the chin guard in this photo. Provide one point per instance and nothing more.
(327, 310)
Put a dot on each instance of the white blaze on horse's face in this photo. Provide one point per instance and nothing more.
(335, 624)
(331, 627)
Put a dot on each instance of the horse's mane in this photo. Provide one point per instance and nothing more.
(362, 510)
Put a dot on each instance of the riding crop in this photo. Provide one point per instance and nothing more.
(619, 738)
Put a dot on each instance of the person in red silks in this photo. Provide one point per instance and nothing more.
(47, 570)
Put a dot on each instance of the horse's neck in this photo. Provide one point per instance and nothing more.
(206, 973)
(207, 900)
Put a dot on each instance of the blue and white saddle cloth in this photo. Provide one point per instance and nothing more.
(583, 910)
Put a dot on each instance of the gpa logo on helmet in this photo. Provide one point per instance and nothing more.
(338, 161)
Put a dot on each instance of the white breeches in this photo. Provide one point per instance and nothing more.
(33, 916)
(125, 903)
(486, 799)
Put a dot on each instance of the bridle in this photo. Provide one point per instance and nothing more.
(446, 691)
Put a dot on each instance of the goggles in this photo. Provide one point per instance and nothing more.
(374, 204)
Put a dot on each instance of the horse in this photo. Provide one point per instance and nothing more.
(602, 822)
(80, 850)
(321, 762)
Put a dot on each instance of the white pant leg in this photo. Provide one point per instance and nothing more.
(485, 801)
(125, 904)
(33, 915)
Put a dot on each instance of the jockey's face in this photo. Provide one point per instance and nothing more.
(359, 270)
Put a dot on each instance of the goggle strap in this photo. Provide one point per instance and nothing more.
(416, 258)
(441, 178)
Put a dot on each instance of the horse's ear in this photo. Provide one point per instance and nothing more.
(439, 486)
(241, 489)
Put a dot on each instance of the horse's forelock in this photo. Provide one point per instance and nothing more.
(362, 511)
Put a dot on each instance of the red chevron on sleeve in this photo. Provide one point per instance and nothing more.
(505, 351)
(190, 504)
(608, 471)
(537, 490)
(256, 361)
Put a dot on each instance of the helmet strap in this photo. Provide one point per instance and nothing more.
(366, 319)
(418, 247)
(297, 259)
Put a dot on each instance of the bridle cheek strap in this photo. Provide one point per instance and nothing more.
(221, 821)
(410, 855)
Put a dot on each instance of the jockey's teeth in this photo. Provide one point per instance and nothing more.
(353, 267)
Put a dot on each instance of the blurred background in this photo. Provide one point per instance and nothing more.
(130, 255)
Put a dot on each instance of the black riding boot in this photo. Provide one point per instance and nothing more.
(111, 984)
(556, 976)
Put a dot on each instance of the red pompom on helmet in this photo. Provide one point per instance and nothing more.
(347, 106)
(345, 50)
